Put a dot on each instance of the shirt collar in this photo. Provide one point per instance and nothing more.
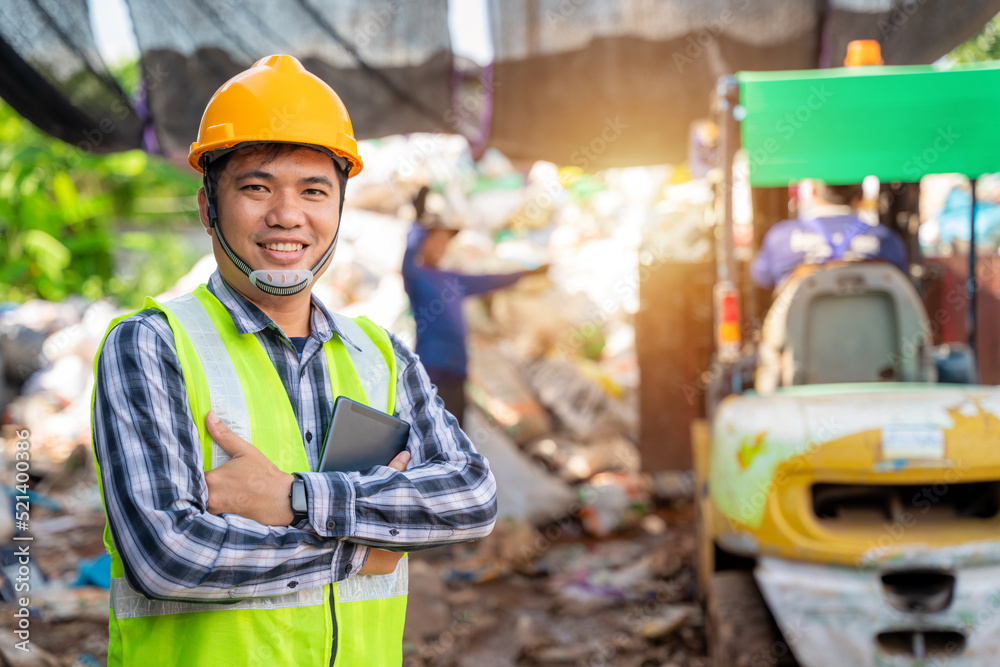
(248, 318)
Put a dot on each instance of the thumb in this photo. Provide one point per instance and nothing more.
(401, 461)
(222, 434)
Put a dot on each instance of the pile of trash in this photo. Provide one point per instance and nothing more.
(47, 356)
(553, 376)
(626, 601)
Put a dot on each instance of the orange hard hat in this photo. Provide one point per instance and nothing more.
(863, 52)
(276, 100)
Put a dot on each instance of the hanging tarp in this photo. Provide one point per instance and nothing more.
(53, 75)
(592, 83)
(897, 123)
(390, 61)
(600, 84)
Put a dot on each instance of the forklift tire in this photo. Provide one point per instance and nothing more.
(741, 630)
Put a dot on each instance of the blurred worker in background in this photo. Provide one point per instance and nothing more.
(703, 147)
(829, 229)
(436, 297)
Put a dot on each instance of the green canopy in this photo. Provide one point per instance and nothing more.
(897, 123)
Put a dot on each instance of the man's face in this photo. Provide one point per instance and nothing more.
(435, 246)
(278, 214)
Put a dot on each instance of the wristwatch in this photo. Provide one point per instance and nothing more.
(300, 500)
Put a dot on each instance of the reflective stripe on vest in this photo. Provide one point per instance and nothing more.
(368, 361)
(224, 388)
(126, 603)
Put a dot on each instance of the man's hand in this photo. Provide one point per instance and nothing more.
(248, 484)
(381, 561)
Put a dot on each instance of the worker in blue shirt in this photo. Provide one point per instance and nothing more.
(436, 298)
(829, 230)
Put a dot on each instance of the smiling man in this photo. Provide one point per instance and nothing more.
(210, 411)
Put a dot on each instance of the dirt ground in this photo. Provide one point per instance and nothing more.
(627, 600)
(570, 600)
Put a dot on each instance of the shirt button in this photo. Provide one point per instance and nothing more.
(331, 524)
(394, 532)
(309, 436)
(347, 568)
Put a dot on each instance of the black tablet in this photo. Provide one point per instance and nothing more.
(361, 437)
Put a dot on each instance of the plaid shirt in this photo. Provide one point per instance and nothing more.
(155, 495)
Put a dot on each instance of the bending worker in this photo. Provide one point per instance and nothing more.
(436, 298)
(210, 412)
(829, 230)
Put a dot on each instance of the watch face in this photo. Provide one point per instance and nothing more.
(299, 496)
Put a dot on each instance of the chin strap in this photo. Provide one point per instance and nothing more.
(276, 283)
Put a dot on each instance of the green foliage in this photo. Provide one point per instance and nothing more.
(128, 74)
(981, 47)
(70, 220)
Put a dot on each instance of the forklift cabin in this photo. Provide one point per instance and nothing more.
(848, 474)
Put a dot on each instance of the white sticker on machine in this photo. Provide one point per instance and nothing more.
(912, 441)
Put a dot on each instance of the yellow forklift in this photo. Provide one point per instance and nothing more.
(849, 471)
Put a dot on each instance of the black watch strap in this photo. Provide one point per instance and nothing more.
(300, 500)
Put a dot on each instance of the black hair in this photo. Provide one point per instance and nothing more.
(268, 152)
(840, 194)
(420, 201)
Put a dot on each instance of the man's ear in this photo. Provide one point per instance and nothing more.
(203, 210)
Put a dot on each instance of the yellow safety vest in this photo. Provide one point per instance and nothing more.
(232, 373)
